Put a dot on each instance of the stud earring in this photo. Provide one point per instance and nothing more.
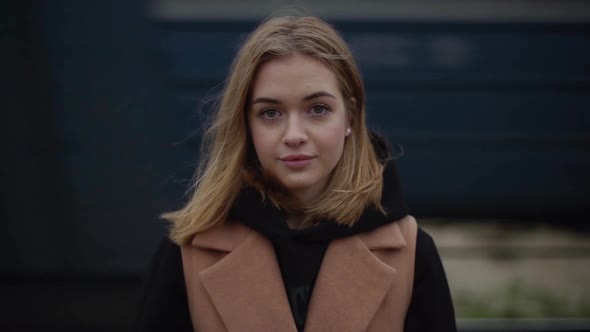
(348, 131)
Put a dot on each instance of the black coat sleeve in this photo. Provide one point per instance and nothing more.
(163, 305)
(431, 307)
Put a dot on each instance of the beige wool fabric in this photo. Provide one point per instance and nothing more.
(364, 284)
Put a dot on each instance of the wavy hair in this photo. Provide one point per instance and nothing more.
(228, 159)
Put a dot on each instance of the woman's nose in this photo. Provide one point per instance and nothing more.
(295, 133)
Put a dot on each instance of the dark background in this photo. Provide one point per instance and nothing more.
(102, 109)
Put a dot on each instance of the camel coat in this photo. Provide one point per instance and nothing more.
(364, 284)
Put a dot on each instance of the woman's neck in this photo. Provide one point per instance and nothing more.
(295, 222)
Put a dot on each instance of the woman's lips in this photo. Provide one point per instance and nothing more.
(296, 161)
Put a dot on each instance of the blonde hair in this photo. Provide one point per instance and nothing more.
(229, 157)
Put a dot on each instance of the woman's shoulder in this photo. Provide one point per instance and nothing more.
(167, 258)
(428, 265)
(423, 242)
(163, 303)
(424, 239)
(167, 252)
(408, 223)
(431, 295)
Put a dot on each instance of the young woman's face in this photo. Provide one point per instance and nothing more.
(298, 122)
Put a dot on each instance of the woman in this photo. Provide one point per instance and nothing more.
(297, 222)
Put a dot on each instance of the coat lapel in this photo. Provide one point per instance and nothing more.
(246, 286)
(247, 289)
(352, 281)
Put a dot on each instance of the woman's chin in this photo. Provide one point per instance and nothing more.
(302, 187)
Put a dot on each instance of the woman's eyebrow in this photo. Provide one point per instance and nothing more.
(265, 100)
(318, 94)
(314, 95)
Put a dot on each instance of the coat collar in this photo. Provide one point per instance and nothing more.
(247, 282)
(230, 235)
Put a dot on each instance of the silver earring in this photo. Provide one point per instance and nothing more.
(348, 131)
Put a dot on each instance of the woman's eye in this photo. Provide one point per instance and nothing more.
(318, 110)
(269, 114)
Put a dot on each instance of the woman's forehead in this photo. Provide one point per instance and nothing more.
(295, 74)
